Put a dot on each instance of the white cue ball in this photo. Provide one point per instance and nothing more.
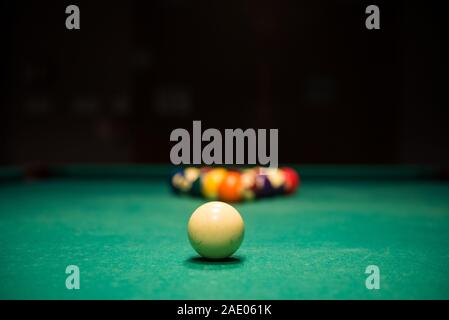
(216, 230)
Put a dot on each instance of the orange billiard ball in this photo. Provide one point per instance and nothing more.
(231, 188)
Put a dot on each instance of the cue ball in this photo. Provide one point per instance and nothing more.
(216, 230)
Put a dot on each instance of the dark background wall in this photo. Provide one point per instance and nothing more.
(113, 91)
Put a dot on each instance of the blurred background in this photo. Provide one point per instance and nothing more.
(113, 91)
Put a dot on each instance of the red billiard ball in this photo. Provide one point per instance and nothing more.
(292, 180)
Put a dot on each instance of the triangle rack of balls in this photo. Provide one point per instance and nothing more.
(235, 185)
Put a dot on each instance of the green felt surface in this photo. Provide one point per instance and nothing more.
(128, 237)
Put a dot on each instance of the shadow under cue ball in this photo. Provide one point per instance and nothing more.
(216, 230)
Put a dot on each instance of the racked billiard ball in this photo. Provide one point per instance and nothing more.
(177, 181)
(186, 181)
(215, 230)
(277, 180)
(230, 189)
(211, 182)
(263, 184)
(292, 179)
(192, 176)
(262, 187)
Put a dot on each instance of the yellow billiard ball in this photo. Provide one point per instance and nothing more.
(216, 230)
(211, 182)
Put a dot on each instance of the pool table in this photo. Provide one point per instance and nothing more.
(126, 231)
